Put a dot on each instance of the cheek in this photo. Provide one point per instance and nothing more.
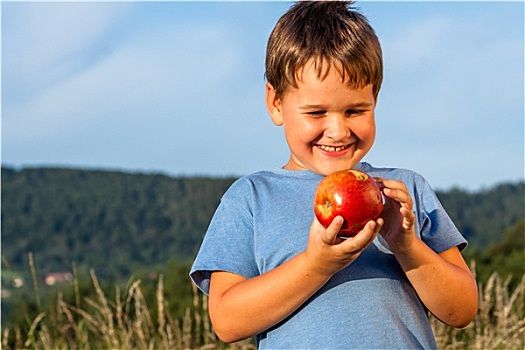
(302, 129)
(371, 132)
(366, 131)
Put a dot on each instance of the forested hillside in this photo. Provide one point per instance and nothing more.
(112, 221)
(119, 222)
(485, 215)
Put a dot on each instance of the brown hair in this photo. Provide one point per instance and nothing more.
(331, 33)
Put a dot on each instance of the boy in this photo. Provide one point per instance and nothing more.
(272, 271)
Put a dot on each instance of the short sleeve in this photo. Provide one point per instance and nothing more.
(228, 243)
(437, 229)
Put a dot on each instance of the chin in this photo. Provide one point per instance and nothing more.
(330, 166)
(323, 166)
(334, 168)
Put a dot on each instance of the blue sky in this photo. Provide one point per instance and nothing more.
(178, 88)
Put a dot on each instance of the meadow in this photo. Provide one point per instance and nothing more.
(124, 319)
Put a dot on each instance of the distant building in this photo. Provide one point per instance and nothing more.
(53, 278)
(18, 282)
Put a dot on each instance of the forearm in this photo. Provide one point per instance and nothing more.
(240, 307)
(246, 308)
(443, 282)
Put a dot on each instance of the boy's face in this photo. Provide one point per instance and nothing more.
(328, 126)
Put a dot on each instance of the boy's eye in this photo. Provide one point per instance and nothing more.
(353, 112)
(349, 113)
(316, 114)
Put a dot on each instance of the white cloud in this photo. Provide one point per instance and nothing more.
(162, 73)
(444, 74)
(45, 43)
(452, 103)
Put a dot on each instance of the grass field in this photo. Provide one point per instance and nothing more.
(124, 320)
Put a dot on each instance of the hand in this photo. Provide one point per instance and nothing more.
(398, 229)
(327, 253)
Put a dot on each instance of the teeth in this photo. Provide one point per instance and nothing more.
(332, 149)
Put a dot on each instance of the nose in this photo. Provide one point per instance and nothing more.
(337, 128)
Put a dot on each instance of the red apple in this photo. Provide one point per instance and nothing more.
(352, 194)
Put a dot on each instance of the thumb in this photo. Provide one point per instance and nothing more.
(331, 232)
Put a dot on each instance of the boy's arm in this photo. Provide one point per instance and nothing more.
(240, 307)
(443, 281)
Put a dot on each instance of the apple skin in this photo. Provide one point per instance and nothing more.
(352, 194)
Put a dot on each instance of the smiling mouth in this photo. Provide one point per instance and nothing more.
(333, 148)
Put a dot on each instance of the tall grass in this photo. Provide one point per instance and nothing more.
(499, 323)
(122, 322)
(126, 321)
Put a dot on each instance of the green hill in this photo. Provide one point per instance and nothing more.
(119, 222)
(115, 222)
(485, 215)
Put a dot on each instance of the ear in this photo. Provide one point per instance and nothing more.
(273, 105)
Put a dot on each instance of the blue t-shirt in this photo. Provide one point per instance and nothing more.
(264, 220)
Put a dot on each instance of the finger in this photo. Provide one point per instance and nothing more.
(330, 235)
(380, 182)
(393, 188)
(379, 224)
(407, 212)
(363, 238)
(399, 195)
(394, 184)
(409, 218)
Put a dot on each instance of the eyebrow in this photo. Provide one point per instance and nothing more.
(363, 104)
